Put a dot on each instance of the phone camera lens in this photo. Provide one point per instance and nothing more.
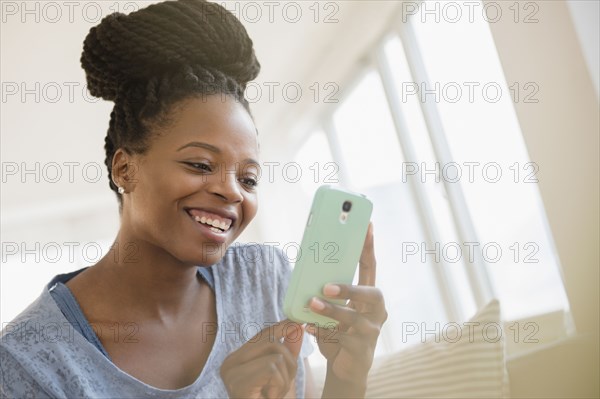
(347, 206)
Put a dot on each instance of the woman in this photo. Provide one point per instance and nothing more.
(174, 309)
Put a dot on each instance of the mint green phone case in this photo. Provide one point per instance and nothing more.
(329, 252)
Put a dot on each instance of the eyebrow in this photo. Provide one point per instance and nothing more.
(200, 145)
(212, 148)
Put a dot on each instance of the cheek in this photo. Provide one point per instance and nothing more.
(166, 183)
(250, 207)
(154, 194)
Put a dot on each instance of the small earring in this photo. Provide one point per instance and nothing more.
(121, 190)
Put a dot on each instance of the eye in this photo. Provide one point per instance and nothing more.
(248, 181)
(200, 166)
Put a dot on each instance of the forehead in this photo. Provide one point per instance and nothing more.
(220, 121)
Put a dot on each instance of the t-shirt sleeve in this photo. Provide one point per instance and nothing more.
(284, 273)
(15, 382)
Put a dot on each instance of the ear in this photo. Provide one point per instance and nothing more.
(124, 170)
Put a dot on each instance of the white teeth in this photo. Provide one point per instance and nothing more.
(214, 224)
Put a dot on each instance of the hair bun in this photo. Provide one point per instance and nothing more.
(166, 37)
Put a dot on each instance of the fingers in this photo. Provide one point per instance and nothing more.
(266, 363)
(357, 293)
(346, 316)
(269, 341)
(355, 345)
(245, 357)
(367, 263)
(372, 297)
(267, 373)
(293, 338)
(276, 331)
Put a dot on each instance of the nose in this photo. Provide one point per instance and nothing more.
(226, 186)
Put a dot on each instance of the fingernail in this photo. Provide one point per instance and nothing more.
(317, 304)
(331, 289)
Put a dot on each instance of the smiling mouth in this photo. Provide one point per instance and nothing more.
(215, 223)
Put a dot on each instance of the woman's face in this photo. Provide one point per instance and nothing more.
(193, 192)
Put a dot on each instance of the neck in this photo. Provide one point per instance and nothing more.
(148, 282)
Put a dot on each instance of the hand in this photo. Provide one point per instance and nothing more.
(350, 347)
(264, 367)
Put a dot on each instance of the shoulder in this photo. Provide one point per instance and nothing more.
(40, 325)
(28, 344)
(16, 381)
(28, 326)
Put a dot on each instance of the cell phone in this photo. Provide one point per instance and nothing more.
(333, 239)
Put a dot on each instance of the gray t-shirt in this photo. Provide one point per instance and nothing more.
(42, 355)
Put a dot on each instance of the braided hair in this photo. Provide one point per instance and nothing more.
(147, 61)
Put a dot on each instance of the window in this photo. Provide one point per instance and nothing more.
(482, 128)
(427, 130)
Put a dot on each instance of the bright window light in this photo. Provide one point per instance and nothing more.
(475, 106)
(315, 158)
(454, 270)
(366, 137)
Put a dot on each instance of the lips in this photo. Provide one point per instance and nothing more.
(218, 221)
